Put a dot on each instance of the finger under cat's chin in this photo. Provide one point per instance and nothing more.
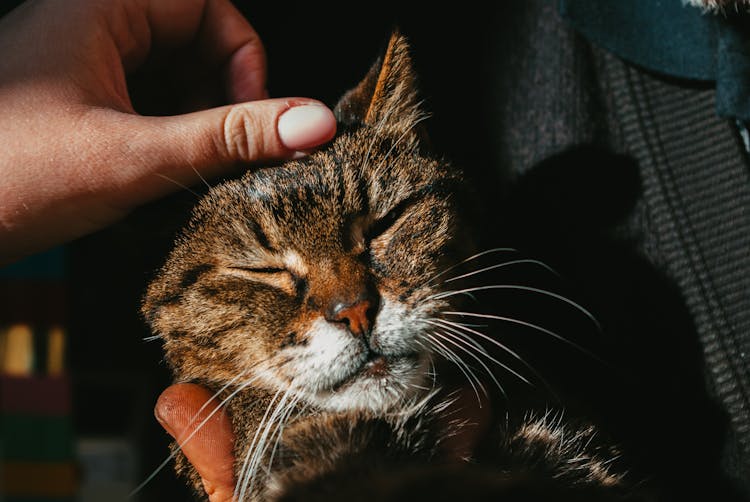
(180, 409)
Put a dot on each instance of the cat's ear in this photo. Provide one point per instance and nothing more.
(388, 94)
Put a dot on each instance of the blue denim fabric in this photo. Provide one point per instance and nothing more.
(668, 37)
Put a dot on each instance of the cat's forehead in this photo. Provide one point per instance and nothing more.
(356, 174)
(310, 204)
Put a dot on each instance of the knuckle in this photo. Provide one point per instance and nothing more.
(243, 134)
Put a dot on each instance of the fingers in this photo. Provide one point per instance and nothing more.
(211, 140)
(224, 37)
(210, 450)
(229, 40)
(182, 149)
(77, 157)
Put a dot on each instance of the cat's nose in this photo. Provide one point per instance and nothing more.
(358, 316)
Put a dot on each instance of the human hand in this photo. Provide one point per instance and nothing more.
(210, 449)
(76, 155)
(181, 408)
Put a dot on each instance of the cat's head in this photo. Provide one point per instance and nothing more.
(319, 275)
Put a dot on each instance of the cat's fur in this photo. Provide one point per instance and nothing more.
(311, 289)
(719, 5)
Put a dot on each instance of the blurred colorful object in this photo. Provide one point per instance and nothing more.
(37, 460)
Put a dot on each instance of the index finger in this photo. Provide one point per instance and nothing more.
(223, 35)
(219, 31)
(180, 409)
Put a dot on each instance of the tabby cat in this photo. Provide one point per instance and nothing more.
(312, 297)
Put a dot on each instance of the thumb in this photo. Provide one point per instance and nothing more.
(180, 410)
(247, 132)
(212, 141)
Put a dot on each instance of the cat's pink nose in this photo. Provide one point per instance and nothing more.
(356, 316)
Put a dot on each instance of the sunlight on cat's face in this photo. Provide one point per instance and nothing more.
(316, 277)
(337, 370)
(351, 253)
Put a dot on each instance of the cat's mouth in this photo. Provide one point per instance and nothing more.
(378, 366)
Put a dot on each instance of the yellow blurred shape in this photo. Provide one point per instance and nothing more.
(18, 350)
(55, 350)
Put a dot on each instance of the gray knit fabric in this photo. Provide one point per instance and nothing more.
(691, 220)
(697, 187)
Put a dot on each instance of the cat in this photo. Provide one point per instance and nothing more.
(313, 297)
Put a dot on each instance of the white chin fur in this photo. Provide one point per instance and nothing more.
(331, 355)
(405, 379)
(327, 371)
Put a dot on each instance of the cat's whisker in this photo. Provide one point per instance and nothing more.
(456, 329)
(280, 431)
(218, 393)
(152, 338)
(181, 444)
(466, 324)
(242, 482)
(431, 372)
(528, 325)
(477, 345)
(293, 405)
(451, 356)
(200, 177)
(518, 287)
(448, 324)
(184, 187)
(470, 258)
(452, 340)
(403, 384)
(274, 422)
(414, 405)
(392, 391)
(420, 343)
(420, 387)
(502, 265)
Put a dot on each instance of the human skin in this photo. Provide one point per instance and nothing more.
(206, 436)
(209, 448)
(76, 156)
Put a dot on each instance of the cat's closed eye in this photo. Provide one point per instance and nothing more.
(381, 225)
(265, 270)
(365, 229)
(275, 276)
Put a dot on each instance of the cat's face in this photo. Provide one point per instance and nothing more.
(319, 275)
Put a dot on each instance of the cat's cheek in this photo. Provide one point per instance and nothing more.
(399, 328)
